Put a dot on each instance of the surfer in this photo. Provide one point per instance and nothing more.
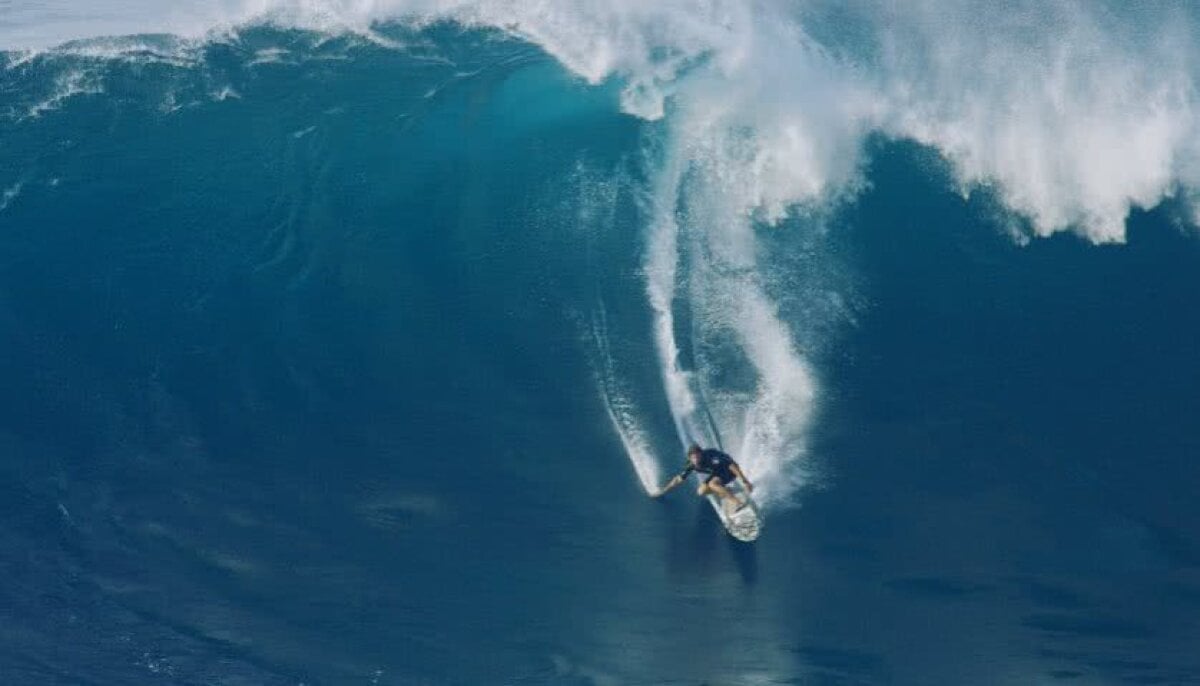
(721, 469)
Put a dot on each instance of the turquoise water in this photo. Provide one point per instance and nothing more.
(335, 358)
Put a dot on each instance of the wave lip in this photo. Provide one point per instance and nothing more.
(1074, 116)
(1073, 112)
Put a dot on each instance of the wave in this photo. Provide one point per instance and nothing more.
(760, 113)
(1074, 112)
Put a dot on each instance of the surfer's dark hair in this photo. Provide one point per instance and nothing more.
(694, 448)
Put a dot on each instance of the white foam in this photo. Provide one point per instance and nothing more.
(225, 93)
(622, 410)
(662, 258)
(68, 84)
(268, 56)
(777, 419)
(1073, 116)
(10, 194)
(170, 50)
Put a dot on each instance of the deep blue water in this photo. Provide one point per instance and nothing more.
(301, 386)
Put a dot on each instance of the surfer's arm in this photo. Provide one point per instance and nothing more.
(737, 471)
(675, 481)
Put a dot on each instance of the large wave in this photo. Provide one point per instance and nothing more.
(1074, 111)
(1070, 113)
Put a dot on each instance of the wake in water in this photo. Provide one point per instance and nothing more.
(731, 372)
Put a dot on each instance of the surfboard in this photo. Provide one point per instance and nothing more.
(745, 524)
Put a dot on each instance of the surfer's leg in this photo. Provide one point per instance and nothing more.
(714, 484)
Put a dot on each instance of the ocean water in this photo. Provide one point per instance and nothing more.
(342, 343)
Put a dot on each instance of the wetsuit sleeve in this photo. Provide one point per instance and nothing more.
(686, 471)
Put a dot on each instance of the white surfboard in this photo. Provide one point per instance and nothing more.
(744, 524)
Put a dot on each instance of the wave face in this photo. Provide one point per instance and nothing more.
(320, 317)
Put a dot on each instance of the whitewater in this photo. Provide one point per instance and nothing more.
(1040, 99)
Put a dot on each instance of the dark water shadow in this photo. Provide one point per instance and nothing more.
(703, 537)
(934, 587)
(745, 556)
(1101, 627)
(1051, 596)
(843, 665)
(696, 547)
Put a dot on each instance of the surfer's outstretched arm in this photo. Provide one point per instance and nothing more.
(675, 481)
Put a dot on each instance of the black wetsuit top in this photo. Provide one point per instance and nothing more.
(712, 462)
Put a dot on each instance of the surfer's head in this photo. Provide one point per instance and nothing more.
(693, 452)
